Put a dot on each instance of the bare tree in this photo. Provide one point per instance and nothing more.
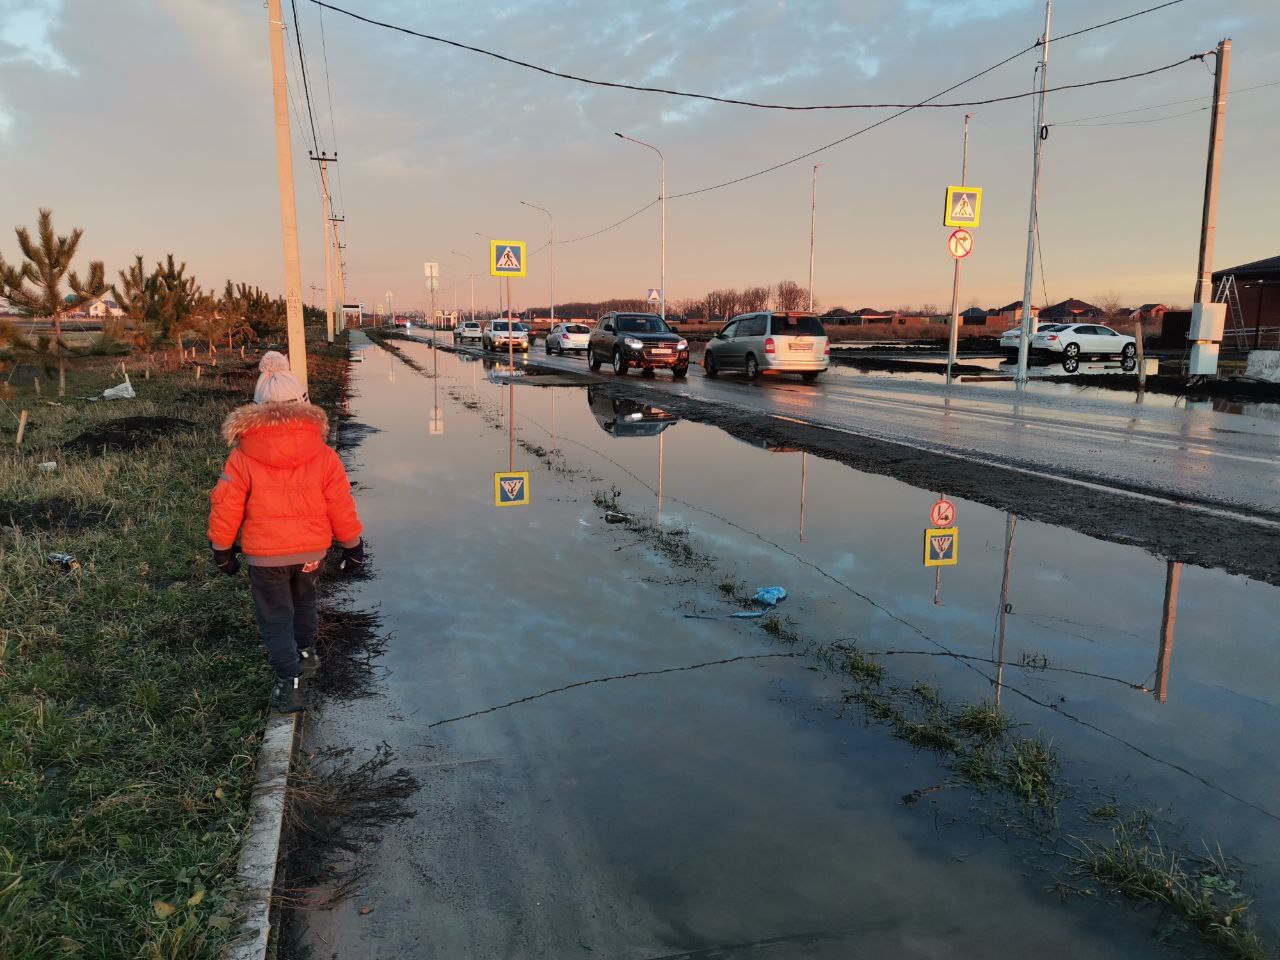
(789, 295)
(1110, 304)
(46, 265)
(754, 299)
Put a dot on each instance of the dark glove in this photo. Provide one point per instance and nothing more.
(227, 561)
(352, 558)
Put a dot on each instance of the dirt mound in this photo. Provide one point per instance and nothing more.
(127, 433)
(54, 513)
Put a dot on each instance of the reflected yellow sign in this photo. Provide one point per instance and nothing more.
(941, 546)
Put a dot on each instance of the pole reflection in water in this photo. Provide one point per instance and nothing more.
(1172, 580)
(1010, 522)
(661, 437)
(804, 483)
(511, 425)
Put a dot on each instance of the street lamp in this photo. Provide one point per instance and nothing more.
(662, 197)
(471, 276)
(552, 247)
(489, 239)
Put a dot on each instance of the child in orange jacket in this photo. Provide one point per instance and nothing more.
(285, 493)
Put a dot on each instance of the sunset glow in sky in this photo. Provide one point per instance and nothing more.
(148, 123)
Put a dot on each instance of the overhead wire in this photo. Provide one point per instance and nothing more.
(296, 111)
(1169, 103)
(1125, 123)
(306, 87)
(333, 127)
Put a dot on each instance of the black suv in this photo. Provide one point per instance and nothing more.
(626, 340)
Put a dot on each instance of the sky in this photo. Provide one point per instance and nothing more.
(149, 124)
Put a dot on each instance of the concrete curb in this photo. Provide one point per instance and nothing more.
(256, 873)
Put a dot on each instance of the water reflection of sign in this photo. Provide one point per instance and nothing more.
(436, 425)
(963, 208)
(943, 513)
(941, 547)
(511, 489)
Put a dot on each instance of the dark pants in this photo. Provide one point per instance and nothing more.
(284, 602)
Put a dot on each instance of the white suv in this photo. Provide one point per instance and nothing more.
(468, 330)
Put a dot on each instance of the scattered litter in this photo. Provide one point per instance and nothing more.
(64, 560)
(365, 911)
(121, 391)
(613, 516)
(583, 522)
(770, 596)
(48, 466)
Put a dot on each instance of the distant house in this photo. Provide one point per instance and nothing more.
(837, 315)
(1149, 312)
(1258, 288)
(871, 315)
(1071, 311)
(1011, 313)
(973, 317)
(103, 306)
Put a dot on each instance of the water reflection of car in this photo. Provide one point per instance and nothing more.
(468, 330)
(1011, 338)
(620, 417)
(1075, 341)
(567, 336)
(500, 333)
(782, 342)
(626, 340)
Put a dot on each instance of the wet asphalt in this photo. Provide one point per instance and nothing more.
(604, 776)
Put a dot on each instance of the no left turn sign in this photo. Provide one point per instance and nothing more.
(960, 243)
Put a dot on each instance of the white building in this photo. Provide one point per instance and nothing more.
(104, 306)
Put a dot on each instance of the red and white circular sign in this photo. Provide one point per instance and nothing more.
(943, 513)
(960, 243)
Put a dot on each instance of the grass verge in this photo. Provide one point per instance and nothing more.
(133, 687)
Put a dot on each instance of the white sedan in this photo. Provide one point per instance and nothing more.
(1072, 342)
(567, 336)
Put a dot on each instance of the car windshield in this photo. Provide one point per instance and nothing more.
(641, 323)
(500, 326)
(784, 326)
(576, 328)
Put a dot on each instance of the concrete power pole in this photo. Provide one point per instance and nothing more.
(328, 245)
(954, 335)
(1024, 341)
(813, 223)
(297, 335)
(340, 268)
(1207, 318)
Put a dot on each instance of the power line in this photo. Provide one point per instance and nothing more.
(1108, 23)
(333, 127)
(746, 103)
(1125, 123)
(1168, 103)
(306, 87)
(296, 112)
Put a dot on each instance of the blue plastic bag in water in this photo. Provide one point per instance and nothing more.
(770, 596)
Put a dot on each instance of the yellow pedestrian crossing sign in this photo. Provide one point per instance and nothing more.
(964, 207)
(941, 547)
(506, 258)
(511, 489)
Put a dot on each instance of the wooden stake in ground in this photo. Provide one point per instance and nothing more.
(36, 384)
(198, 369)
(22, 427)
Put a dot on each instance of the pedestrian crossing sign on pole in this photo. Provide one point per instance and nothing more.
(941, 546)
(506, 258)
(511, 489)
(963, 208)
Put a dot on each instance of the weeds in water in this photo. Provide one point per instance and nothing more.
(983, 721)
(607, 499)
(1203, 891)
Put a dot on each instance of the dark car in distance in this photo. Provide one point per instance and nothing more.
(642, 340)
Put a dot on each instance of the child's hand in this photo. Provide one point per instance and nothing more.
(352, 558)
(227, 561)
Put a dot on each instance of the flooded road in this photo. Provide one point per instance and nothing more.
(613, 765)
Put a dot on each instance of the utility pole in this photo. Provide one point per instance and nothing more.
(340, 267)
(954, 336)
(297, 334)
(662, 198)
(1024, 341)
(323, 160)
(813, 223)
(471, 276)
(551, 245)
(1206, 329)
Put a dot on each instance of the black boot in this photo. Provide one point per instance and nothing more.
(287, 695)
(309, 662)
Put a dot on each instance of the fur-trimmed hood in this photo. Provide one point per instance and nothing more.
(279, 434)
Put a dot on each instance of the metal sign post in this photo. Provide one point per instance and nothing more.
(963, 210)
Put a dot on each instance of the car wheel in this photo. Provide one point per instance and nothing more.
(1070, 364)
(709, 365)
(810, 375)
(1128, 351)
(680, 372)
(1072, 350)
(593, 362)
(753, 366)
(619, 363)
(547, 348)
(1129, 364)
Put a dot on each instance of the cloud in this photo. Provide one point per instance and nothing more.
(24, 33)
(951, 13)
(6, 122)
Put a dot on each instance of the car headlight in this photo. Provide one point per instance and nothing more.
(682, 345)
(633, 343)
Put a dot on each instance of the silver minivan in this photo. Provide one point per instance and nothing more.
(789, 341)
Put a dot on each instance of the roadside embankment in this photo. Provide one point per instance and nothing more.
(133, 689)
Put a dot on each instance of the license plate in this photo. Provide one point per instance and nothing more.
(662, 353)
(798, 347)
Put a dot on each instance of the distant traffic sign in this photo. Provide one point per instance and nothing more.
(960, 243)
(941, 547)
(655, 295)
(506, 258)
(432, 270)
(963, 207)
(511, 489)
(943, 513)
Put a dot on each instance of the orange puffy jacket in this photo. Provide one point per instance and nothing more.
(283, 488)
